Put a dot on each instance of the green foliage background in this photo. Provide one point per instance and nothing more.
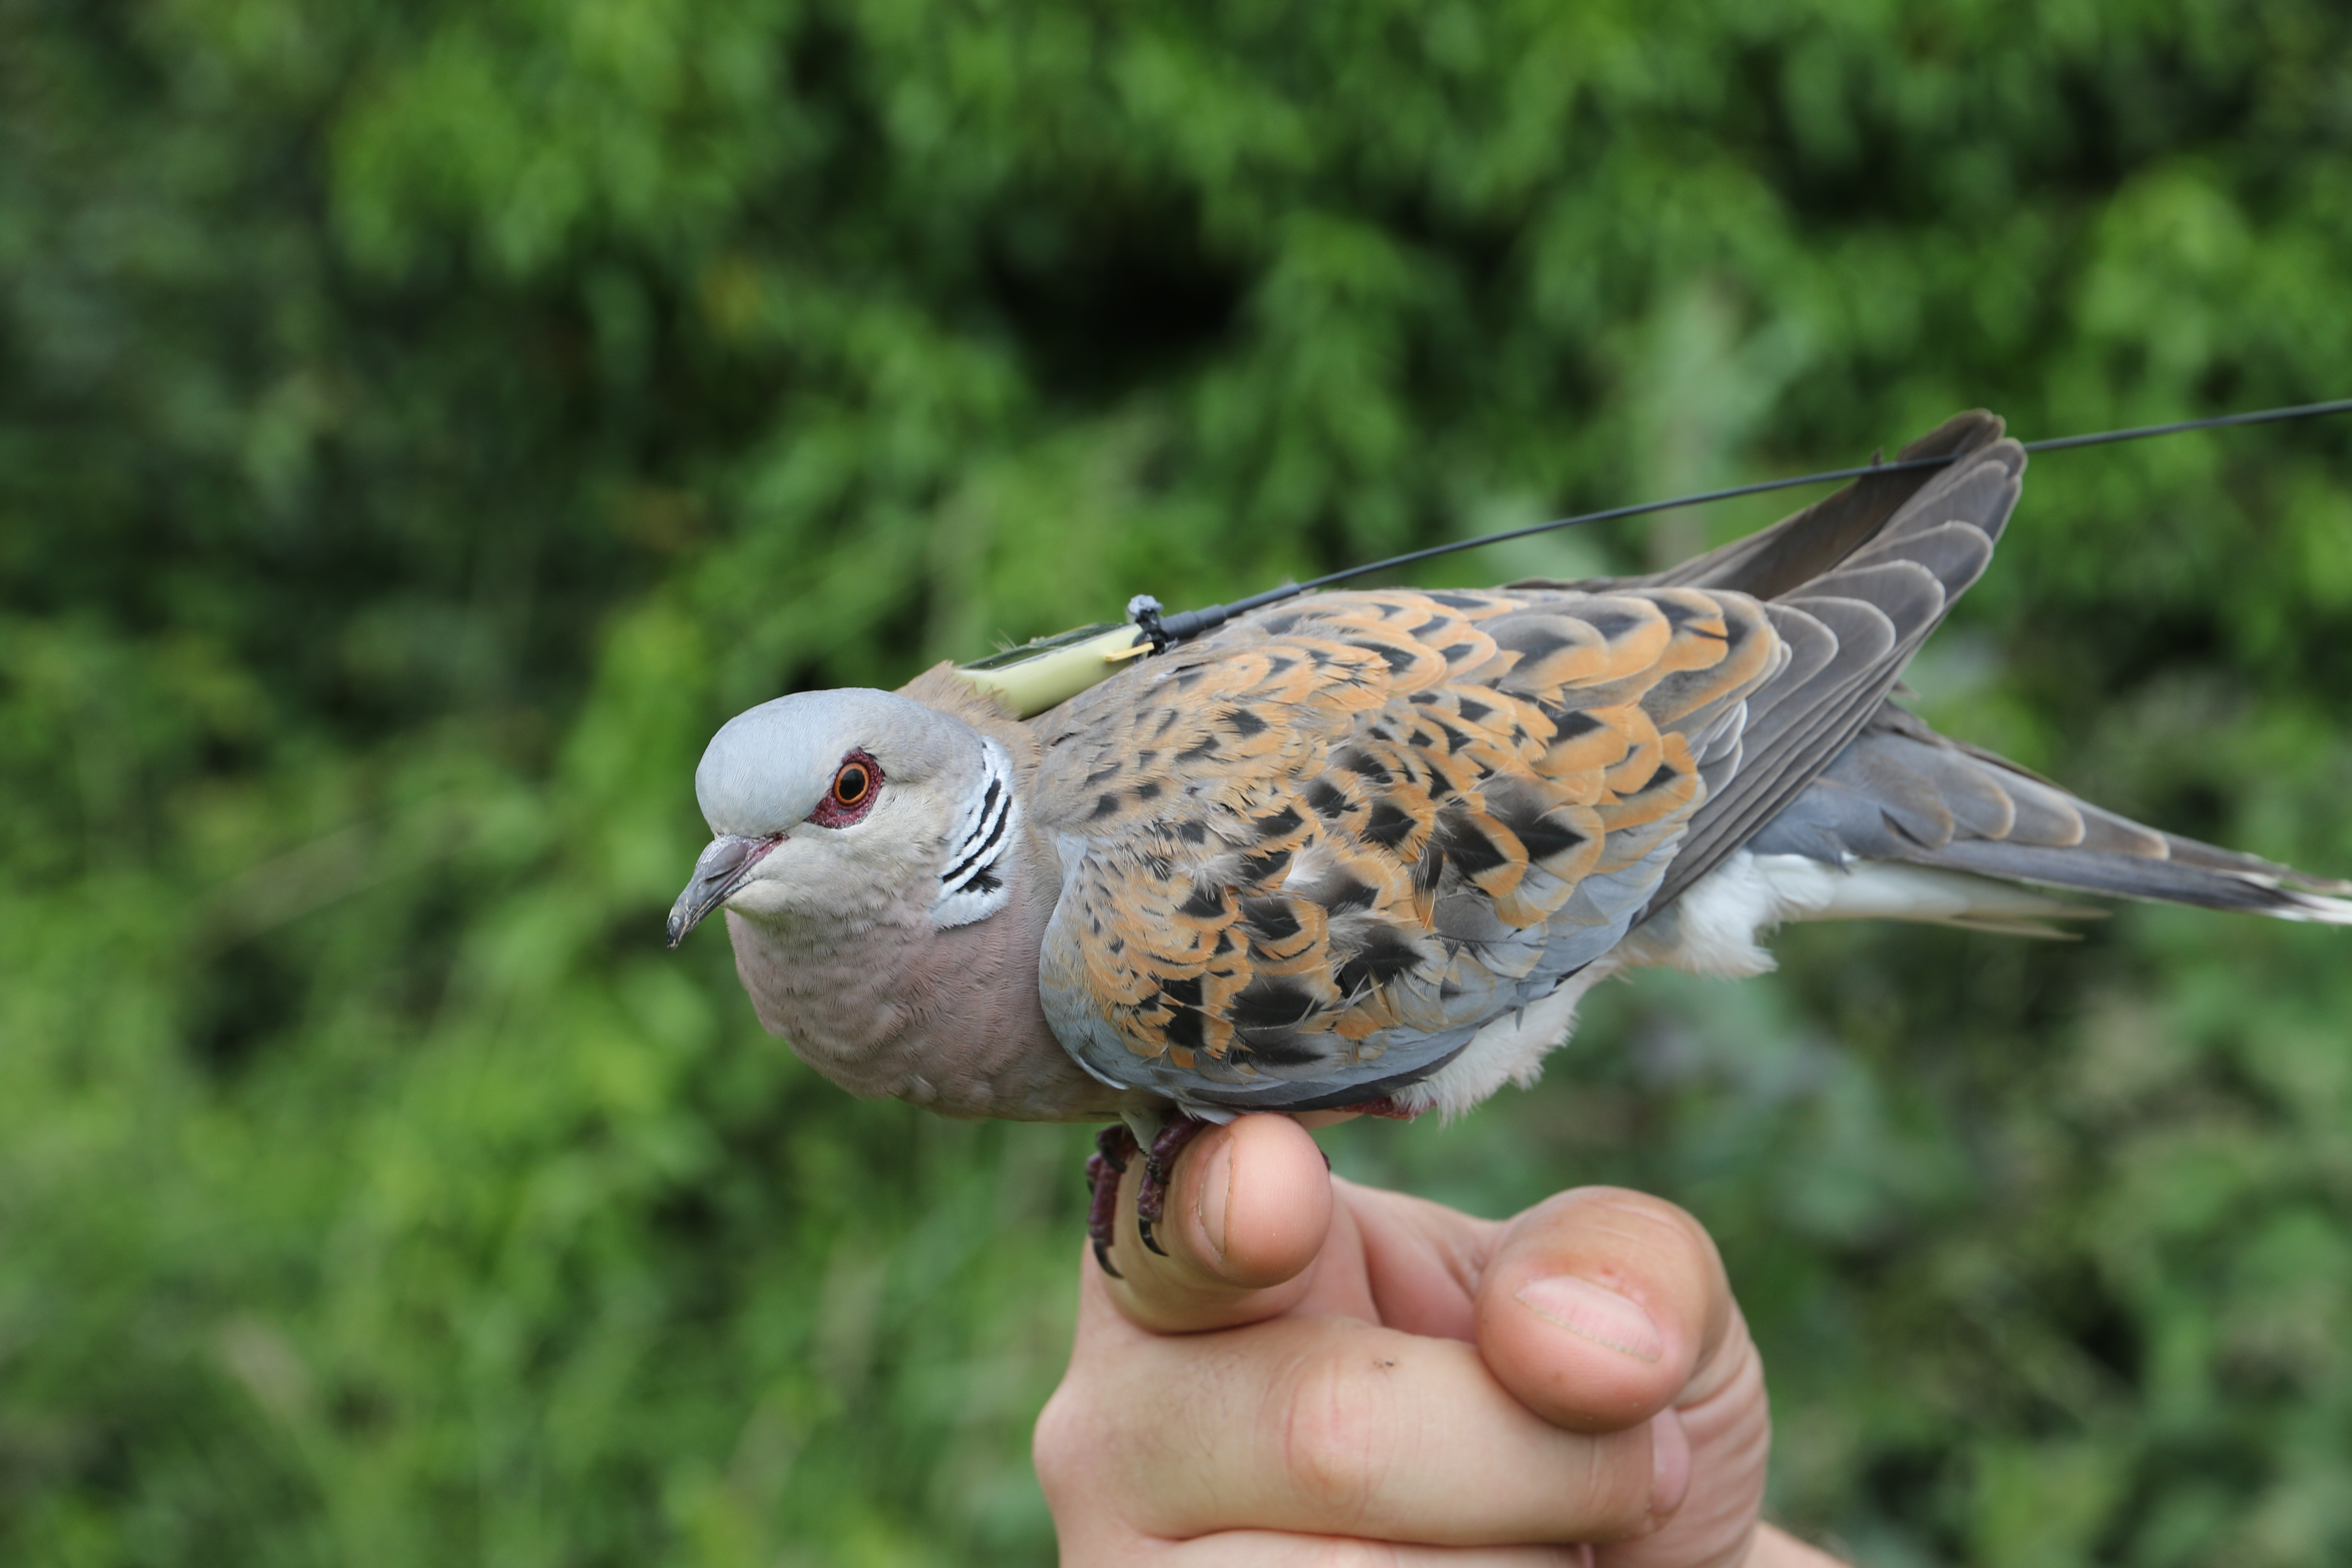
(420, 426)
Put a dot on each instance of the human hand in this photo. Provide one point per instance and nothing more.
(1316, 1366)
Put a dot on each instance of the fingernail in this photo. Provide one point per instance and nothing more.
(1599, 1315)
(1216, 1193)
(1670, 1463)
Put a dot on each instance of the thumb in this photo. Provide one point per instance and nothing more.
(1248, 1210)
(1597, 1306)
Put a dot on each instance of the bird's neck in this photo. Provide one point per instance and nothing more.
(886, 1003)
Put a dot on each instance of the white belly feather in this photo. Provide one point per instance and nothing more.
(1712, 930)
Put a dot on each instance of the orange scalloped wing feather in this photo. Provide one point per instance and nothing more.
(1305, 859)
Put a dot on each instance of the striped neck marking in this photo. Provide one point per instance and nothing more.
(975, 883)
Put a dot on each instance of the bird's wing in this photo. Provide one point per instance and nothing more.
(1902, 791)
(1306, 858)
(1855, 583)
(1851, 628)
(1806, 544)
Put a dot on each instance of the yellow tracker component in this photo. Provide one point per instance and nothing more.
(1051, 670)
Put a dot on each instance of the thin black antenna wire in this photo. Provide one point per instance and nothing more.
(2054, 444)
(1192, 623)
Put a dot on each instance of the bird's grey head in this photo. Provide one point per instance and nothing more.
(844, 805)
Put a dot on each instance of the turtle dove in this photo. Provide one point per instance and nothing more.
(1366, 849)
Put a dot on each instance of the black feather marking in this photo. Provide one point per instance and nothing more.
(1341, 894)
(980, 849)
(1467, 846)
(1147, 790)
(1400, 659)
(1389, 825)
(1205, 901)
(1247, 722)
(1679, 619)
(1568, 723)
(1192, 832)
(1430, 870)
(1472, 709)
(1271, 1001)
(1363, 764)
(1270, 920)
(1185, 993)
(1328, 798)
(1193, 753)
(1533, 641)
(1281, 824)
(1265, 868)
(1543, 836)
(1184, 1026)
(1383, 953)
(1611, 622)
(1282, 1050)
(1106, 805)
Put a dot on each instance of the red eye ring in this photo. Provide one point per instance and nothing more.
(857, 782)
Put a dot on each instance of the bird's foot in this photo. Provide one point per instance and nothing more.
(1159, 1165)
(1114, 1146)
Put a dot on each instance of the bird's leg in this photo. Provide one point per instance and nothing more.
(1159, 1164)
(1114, 1146)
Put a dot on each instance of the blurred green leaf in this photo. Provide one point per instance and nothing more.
(420, 426)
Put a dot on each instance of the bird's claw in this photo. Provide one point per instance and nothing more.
(1114, 1146)
(1159, 1167)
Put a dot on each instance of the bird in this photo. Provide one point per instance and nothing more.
(1366, 850)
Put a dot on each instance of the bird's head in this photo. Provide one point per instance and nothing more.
(839, 805)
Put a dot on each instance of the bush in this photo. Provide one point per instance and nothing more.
(420, 426)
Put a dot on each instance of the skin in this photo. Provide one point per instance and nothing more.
(1326, 1373)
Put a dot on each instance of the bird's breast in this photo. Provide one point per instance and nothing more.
(947, 1019)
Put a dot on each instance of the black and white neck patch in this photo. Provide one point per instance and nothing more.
(975, 882)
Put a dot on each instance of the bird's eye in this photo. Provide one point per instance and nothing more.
(856, 785)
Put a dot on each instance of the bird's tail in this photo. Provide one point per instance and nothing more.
(1902, 793)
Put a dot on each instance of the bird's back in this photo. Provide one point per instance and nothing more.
(1308, 859)
(1305, 861)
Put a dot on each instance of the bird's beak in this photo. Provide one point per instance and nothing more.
(716, 875)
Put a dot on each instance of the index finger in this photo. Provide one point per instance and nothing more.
(1598, 1306)
(1249, 1211)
